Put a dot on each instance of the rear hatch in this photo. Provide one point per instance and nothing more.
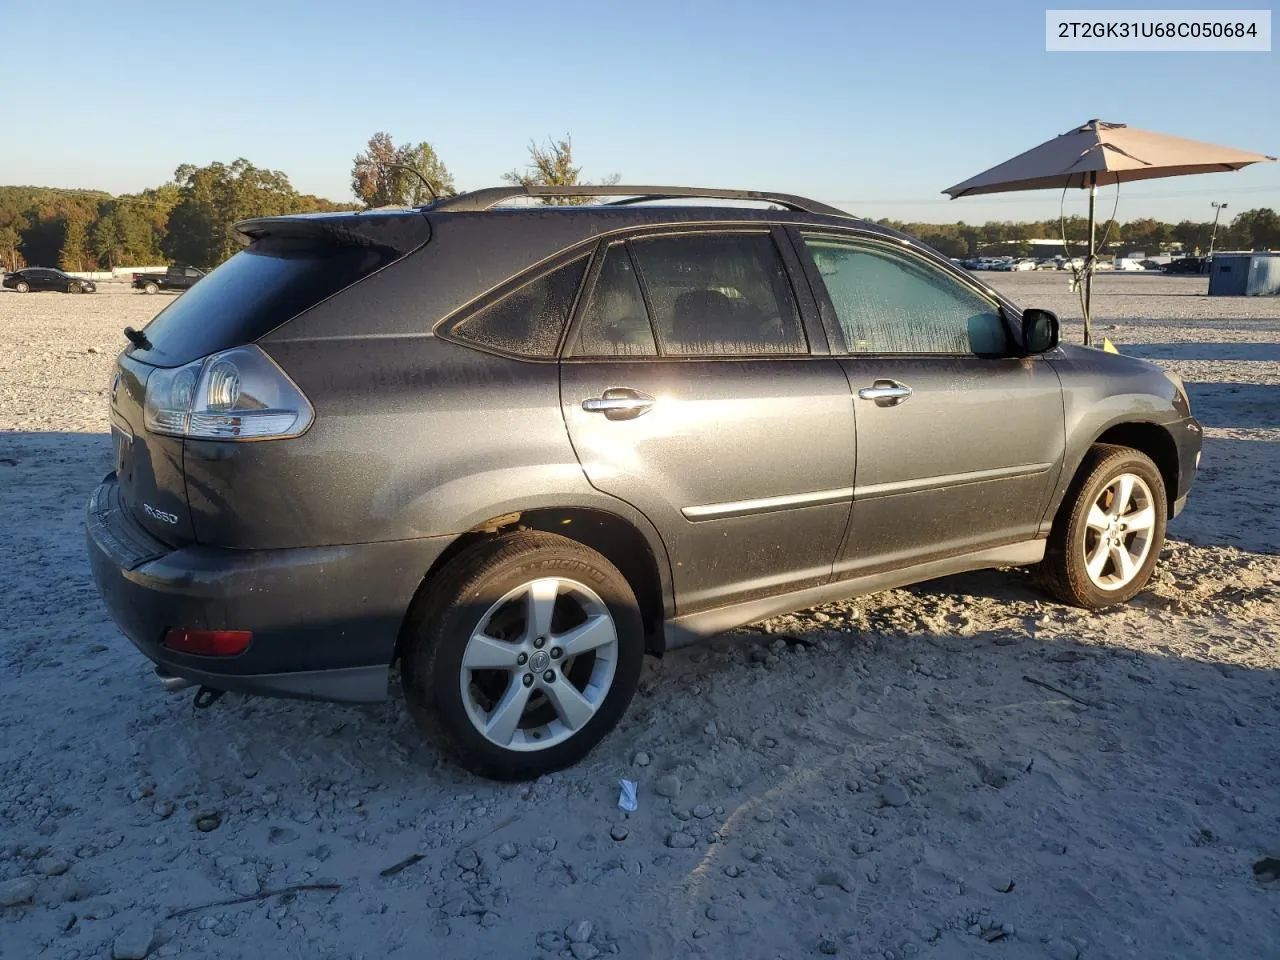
(290, 264)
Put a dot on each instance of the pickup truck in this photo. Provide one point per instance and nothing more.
(175, 278)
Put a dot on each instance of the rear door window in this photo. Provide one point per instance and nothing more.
(528, 321)
(719, 294)
(615, 322)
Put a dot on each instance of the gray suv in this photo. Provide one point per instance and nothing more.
(515, 448)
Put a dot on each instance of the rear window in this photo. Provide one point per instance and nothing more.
(253, 293)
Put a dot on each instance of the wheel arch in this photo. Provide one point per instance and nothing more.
(1145, 436)
(629, 543)
(1156, 442)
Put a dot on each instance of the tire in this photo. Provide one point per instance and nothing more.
(150, 288)
(490, 586)
(22, 286)
(1083, 563)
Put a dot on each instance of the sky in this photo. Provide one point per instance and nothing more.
(873, 107)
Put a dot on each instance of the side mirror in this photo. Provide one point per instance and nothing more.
(1039, 330)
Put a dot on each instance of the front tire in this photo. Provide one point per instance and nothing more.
(1109, 530)
(523, 654)
(22, 287)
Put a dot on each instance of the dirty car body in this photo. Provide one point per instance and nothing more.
(738, 411)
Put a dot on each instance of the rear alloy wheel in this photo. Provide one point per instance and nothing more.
(150, 288)
(22, 286)
(523, 655)
(1109, 531)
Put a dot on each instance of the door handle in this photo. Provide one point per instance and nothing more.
(886, 393)
(619, 403)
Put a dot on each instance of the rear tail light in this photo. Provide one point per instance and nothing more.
(238, 394)
(207, 643)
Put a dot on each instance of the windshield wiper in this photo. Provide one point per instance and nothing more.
(137, 338)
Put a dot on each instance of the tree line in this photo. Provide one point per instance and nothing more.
(189, 219)
(1249, 230)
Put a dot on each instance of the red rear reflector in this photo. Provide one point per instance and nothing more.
(207, 643)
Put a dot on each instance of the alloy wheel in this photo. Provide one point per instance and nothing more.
(1118, 532)
(539, 664)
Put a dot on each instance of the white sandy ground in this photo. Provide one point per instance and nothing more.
(876, 778)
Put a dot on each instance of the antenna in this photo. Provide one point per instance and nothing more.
(417, 173)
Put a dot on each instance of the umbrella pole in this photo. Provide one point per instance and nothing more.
(1088, 264)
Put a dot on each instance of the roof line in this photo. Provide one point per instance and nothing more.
(489, 197)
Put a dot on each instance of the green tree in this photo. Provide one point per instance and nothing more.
(1149, 236)
(553, 166)
(1192, 236)
(74, 254)
(10, 238)
(379, 184)
(211, 199)
(1255, 229)
(42, 240)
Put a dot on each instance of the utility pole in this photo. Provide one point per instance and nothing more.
(1217, 212)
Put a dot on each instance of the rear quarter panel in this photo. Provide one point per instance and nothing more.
(413, 437)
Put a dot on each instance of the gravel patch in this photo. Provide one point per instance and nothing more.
(873, 778)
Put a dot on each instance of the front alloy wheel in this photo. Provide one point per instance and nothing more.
(522, 654)
(1118, 531)
(1108, 532)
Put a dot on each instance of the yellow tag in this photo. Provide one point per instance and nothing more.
(1108, 346)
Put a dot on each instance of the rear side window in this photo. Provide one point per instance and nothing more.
(529, 320)
(615, 322)
(719, 295)
(892, 302)
(253, 293)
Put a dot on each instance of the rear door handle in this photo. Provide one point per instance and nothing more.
(619, 403)
(886, 393)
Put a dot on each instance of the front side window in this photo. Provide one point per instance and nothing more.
(615, 322)
(717, 294)
(529, 320)
(888, 301)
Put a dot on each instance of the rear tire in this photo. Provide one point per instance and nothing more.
(1107, 536)
(522, 655)
(150, 288)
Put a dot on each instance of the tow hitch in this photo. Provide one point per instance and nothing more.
(206, 697)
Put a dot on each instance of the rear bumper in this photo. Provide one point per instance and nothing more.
(324, 619)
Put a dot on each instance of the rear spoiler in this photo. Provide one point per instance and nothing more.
(401, 231)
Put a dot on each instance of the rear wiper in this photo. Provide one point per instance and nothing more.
(137, 338)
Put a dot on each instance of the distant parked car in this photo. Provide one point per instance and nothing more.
(1024, 264)
(1188, 265)
(1150, 264)
(177, 277)
(36, 279)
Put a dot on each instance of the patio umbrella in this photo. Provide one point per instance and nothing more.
(1098, 154)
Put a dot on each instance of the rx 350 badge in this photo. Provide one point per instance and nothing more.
(160, 515)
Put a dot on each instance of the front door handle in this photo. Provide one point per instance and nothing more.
(886, 393)
(619, 403)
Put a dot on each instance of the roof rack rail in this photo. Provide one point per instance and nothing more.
(489, 197)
